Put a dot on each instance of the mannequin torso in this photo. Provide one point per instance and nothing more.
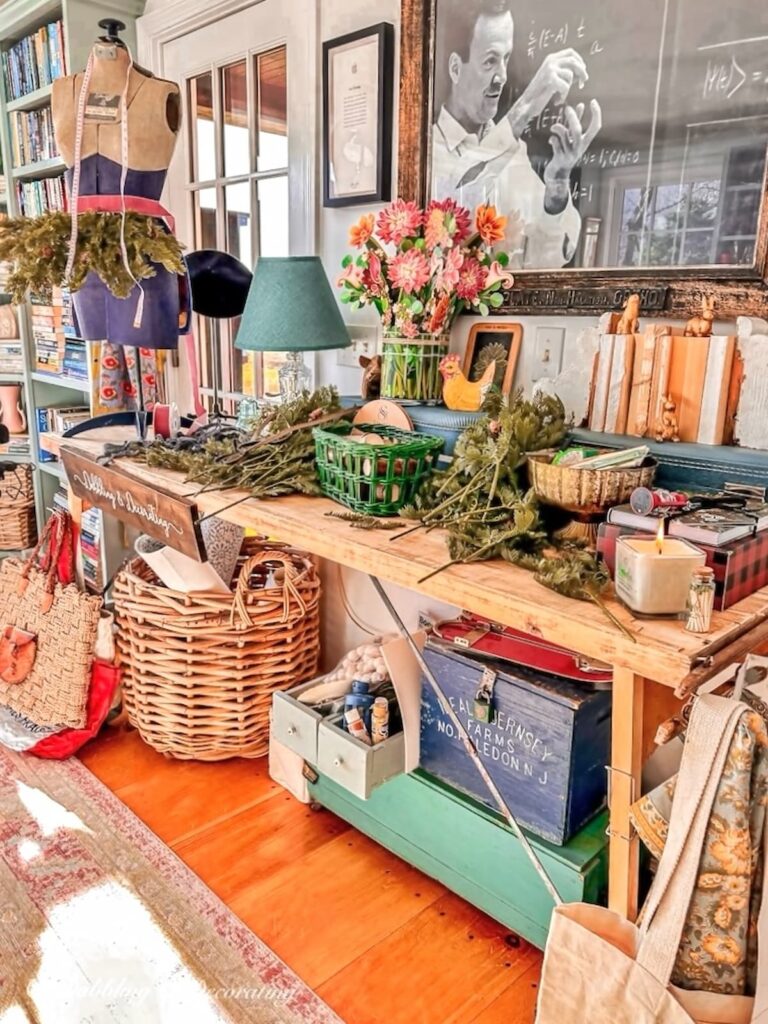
(153, 106)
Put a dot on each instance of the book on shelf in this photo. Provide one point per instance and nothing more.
(58, 419)
(11, 356)
(43, 196)
(35, 61)
(32, 137)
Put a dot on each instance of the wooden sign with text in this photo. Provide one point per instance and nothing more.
(163, 516)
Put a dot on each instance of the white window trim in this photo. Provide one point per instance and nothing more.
(158, 28)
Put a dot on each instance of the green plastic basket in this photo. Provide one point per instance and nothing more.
(375, 479)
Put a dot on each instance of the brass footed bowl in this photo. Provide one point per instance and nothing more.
(586, 491)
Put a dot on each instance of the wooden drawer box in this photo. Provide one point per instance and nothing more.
(546, 748)
(353, 764)
(295, 724)
(472, 851)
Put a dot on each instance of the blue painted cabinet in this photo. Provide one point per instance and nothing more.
(545, 748)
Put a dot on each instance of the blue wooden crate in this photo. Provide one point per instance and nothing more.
(546, 748)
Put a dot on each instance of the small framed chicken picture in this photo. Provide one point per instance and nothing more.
(493, 343)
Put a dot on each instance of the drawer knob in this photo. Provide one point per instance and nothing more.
(291, 730)
(338, 762)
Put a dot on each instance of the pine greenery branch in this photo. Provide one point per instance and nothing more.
(38, 247)
(358, 521)
(277, 457)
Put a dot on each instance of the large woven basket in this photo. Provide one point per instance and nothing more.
(18, 527)
(199, 670)
(585, 490)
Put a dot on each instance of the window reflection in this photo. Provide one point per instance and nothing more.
(203, 130)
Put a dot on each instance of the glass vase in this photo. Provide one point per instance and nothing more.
(410, 369)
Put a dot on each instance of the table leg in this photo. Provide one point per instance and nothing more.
(626, 768)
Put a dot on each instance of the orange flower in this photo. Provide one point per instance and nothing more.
(723, 949)
(360, 233)
(732, 851)
(490, 225)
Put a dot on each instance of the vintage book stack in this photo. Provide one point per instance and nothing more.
(35, 61)
(636, 373)
(32, 137)
(734, 542)
(52, 326)
(58, 419)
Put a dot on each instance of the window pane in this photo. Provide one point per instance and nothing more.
(273, 216)
(205, 218)
(238, 200)
(273, 110)
(271, 363)
(698, 247)
(201, 127)
(237, 158)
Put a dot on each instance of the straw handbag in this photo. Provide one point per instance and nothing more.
(600, 968)
(47, 633)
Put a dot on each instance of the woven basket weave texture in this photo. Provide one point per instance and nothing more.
(199, 670)
(18, 528)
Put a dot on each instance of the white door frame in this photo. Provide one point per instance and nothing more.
(173, 21)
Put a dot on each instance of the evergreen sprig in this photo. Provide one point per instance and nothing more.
(39, 246)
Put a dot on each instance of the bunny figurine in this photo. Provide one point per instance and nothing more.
(701, 326)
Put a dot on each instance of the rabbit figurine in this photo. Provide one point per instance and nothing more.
(701, 326)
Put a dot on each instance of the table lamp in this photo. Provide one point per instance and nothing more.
(290, 308)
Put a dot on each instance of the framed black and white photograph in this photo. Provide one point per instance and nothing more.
(625, 145)
(493, 342)
(357, 117)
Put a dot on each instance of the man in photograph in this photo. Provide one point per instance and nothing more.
(479, 157)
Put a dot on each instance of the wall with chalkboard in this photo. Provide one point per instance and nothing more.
(675, 175)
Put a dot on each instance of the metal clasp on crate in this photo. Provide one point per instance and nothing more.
(483, 709)
(610, 772)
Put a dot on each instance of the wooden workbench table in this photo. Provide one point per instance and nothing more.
(662, 660)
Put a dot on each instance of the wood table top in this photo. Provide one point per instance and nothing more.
(662, 649)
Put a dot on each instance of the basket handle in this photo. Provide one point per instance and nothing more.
(290, 590)
(53, 555)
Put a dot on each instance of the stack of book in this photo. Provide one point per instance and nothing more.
(91, 529)
(52, 325)
(734, 542)
(32, 136)
(11, 356)
(17, 445)
(635, 373)
(55, 419)
(36, 197)
(35, 61)
(76, 359)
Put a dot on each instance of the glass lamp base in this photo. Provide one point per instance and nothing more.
(294, 376)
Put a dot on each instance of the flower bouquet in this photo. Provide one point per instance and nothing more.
(438, 263)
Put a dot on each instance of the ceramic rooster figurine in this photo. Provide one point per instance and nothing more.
(460, 394)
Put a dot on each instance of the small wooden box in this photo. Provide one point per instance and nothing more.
(545, 749)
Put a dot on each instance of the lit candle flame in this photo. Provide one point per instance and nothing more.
(660, 537)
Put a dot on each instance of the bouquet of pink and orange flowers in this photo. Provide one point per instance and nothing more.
(439, 264)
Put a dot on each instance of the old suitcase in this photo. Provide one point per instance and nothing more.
(545, 741)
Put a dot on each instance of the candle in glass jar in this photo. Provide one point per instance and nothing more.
(652, 576)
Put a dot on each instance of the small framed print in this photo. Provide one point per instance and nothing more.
(357, 117)
(493, 341)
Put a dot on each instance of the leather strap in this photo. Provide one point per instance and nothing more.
(134, 204)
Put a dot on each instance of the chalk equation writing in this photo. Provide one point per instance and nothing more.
(123, 500)
(723, 79)
(555, 38)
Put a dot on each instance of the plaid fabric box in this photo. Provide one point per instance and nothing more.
(740, 568)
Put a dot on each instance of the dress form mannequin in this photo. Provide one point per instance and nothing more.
(152, 123)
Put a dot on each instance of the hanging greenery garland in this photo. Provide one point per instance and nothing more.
(38, 248)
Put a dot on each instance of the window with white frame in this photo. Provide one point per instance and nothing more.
(238, 190)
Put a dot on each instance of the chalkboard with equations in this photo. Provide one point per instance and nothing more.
(667, 166)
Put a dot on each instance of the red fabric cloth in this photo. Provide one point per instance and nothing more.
(104, 682)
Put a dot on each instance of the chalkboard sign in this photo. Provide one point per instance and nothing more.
(610, 134)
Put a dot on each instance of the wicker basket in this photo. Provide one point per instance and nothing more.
(585, 490)
(18, 526)
(200, 669)
(375, 479)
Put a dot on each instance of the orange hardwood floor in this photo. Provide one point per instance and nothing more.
(378, 940)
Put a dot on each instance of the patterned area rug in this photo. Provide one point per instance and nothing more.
(100, 923)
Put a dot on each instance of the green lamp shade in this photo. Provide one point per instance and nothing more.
(291, 308)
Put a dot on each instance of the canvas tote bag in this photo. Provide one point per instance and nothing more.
(601, 969)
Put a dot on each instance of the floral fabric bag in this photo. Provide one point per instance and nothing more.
(718, 949)
(598, 967)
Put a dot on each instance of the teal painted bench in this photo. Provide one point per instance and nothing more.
(472, 851)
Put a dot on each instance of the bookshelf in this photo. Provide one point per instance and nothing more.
(34, 183)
